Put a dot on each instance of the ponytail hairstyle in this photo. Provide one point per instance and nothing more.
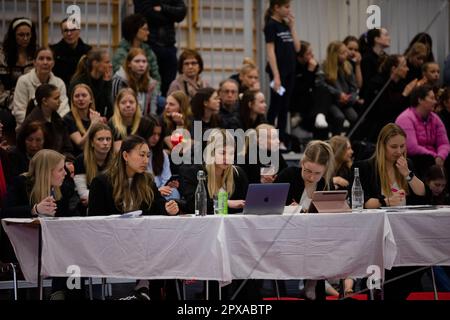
(271, 10)
(42, 92)
(320, 152)
(85, 65)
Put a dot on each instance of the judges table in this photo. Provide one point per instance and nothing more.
(222, 248)
(422, 237)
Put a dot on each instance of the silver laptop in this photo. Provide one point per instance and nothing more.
(266, 198)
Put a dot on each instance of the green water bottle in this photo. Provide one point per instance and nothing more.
(223, 201)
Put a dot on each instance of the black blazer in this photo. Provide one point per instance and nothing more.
(188, 185)
(293, 176)
(101, 201)
(17, 203)
(371, 183)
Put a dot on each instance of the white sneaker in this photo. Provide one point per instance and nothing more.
(346, 124)
(282, 147)
(310, 289)
(321, 122)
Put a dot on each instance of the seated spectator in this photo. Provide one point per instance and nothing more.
(393, 100)
(443, 108)
(159, 163)
(339, 80)
(82, 116)
(248, 76)
(253, 109)
(127, 118)
(343, 153)
(268, 145)
(190, 66)
(302, 102)
(31, 138)
(134, 74)
(135, 34)
(205, 108)
(354, 57)
(415, 58)
(436, 183)
(430, 75)
(95, 70)
(425, 39)
(16, 59)
(44, 109)
(427, 140)
(177, 115)
(388, 180)
(68, 51)
(98, 154)
(447, 71)
(28, 83)
(229, 104)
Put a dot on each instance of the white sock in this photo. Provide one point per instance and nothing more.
(310, 289)
(321, 122)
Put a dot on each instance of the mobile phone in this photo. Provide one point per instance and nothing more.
(174, 177)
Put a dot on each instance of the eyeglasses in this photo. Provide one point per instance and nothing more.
(190, 63)
(24, 35)
(70, 30)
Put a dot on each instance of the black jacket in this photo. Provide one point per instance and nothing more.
(371, 183)
(58, 136)
(102, 91)
(293, 176)
(253, 171)
(101, 201)
(188, 185)
(66, 59)
(17, 203)
(161, 24)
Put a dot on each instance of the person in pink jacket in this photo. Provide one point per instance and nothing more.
(427, 141)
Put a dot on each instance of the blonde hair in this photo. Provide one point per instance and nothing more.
(339, 146)
(320, 152)
(129, 197)
(117, 120)
(389, 131)
(332, 67)
(40, 172)
(219, 138)
(74, 110)
(90, 161)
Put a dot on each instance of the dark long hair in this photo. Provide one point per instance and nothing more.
(28, 129)
(426, 39)
(367, 40)
(248, 98)
(198, 105)
(158, 149)
(10, 47)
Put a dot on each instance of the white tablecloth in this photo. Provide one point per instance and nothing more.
(213, 247)
(422, 237)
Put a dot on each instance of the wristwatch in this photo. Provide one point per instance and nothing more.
(410, 176)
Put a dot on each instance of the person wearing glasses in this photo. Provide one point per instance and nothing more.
(190, 66)
(68, 51)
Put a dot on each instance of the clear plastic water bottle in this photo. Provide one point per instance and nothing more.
(357, 193)
(201, 206)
